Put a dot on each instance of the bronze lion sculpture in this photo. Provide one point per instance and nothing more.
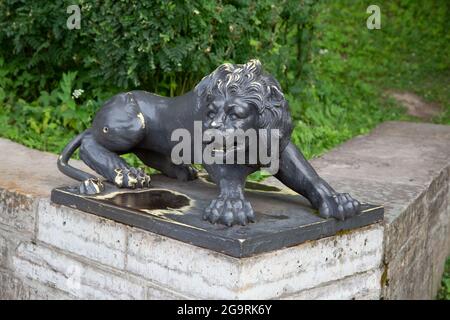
(233, 97)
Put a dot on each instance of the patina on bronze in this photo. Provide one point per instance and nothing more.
(232, 97)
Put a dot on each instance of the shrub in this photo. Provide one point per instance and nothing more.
(159, 45)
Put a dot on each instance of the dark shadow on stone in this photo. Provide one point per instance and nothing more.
(149, 200)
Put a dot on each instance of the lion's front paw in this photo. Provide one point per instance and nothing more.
(339, 206)
(92, 186)
(131, 178)
(229, 210)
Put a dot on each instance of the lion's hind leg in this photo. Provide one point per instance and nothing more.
(110, 165)
(158, 161)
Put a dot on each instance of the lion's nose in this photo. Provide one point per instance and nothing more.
(215, 124)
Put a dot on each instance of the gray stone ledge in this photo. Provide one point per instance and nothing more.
(405, 166)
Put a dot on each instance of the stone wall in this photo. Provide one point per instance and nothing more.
(406, 167)
(54, 252)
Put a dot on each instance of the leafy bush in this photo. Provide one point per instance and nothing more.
(39, 124)
(444, 292)
(159, 45)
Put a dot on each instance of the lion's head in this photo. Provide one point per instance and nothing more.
(242, 96)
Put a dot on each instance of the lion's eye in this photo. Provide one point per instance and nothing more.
(105, 129)
(233, 116)
(211, 114)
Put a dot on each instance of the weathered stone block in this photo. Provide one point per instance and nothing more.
(362, 286)
(31, 172)
(182, 267)
(82, 234)
(395, 197)
(436, 207)
(377, 157)
(204, 274)
(438, 234)
(48, 266)
(3, 250)
(414, 282)
(413, 129)
(17, 211)
(9, 240)
(312, 264)
(447, 217)
(12, 288)
(159, 293)
(400, 230)
(408, 271)
(439, 184)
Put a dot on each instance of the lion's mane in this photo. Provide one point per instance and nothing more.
(251, 84)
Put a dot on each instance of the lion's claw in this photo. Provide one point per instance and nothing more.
(131, 178)
(340, 206)
(91, 186)
(229, 210)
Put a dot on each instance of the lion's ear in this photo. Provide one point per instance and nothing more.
(129, 98)
(275, 95)
(202, 87)
(131, 104)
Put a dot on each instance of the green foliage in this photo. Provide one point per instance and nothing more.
(47, 122)
(349, 69)
(444, 292)
(159, 45)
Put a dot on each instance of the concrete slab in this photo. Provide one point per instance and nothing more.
(31, 172)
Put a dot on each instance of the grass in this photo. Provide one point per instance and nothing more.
(343, 89)
(444, 293)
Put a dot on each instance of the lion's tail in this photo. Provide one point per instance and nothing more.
(64, 158)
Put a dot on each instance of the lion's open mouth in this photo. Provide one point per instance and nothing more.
(225, 150)
(225, 147)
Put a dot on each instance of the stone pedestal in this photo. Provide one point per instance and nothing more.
(174, 209)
